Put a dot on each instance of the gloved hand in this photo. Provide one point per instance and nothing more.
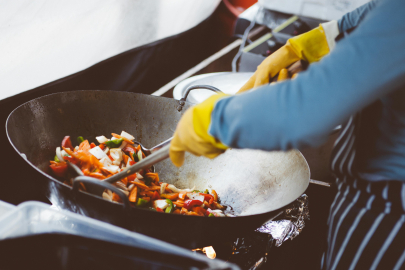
(192, 135)
(311, 47)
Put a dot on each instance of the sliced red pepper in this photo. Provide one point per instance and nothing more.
(159, 209)
(59, 169)
(156, 196)
(71, 159)
(92, 145)
(102, 146)
(129, 150)
(207, 197)
(188, 204)
(131, 177)
(67, 143)
(131, 162)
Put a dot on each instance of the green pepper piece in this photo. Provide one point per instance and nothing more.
(56, 159)
(114, 143)
(196, 191)
(206, 191)
(170, 208)
(136, 159)
(80, 139)
(211, 215)
(141, 202)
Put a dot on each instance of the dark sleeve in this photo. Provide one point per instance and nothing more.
(352, 19)
(364, 66)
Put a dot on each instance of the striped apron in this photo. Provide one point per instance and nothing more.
(366, 219)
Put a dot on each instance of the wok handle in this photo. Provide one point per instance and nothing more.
(96, 182)
(182, 101)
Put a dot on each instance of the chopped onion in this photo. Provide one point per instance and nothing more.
(97, 152)
(131, 186)
(121, 185)
(216, 212)
(162, 204)
(140, 155)
(106, 149)
(112, 168)
(162, 188)
(106, 161)
(127, 136)
(124, 191)
(175, 189)
(116, 155)
(123, 144)
(139, 176)
(63, 152)
(106, 196)
(77, 148)
(101, 139)
(59, 153)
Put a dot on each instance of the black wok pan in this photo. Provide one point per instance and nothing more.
(254, 183)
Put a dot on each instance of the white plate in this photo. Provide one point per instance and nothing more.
(227, 82)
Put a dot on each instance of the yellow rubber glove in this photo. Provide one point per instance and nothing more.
(311, 47)
(192, 135)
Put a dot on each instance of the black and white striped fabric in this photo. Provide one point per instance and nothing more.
(366, 219)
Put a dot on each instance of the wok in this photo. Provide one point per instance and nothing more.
(254, 183)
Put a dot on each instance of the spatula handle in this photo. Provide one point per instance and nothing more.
(148, 161)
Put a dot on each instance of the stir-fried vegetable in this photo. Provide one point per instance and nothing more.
(144, 188)
(115, 143)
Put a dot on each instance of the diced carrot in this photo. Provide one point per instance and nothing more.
(182, 195)
(92, 145)
(214, 193)
(190, 213)
(183, 210)
(111, 157)
(146, 193)
(97, 175)
(125, 158)
(131, 177)
(178, 204)
(133, 194)
(146, 199)
(154, 188)
(143, 186)
(177, 211)
(86, 171)
(102, 146)
(168, 190)
(199, 210)
(120, 137)
(116, 198)
(84, 146)
(125, 181)
(138, 148)
(171, 196)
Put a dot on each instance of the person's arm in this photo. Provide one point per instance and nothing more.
(364, 66)
(353, 18)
